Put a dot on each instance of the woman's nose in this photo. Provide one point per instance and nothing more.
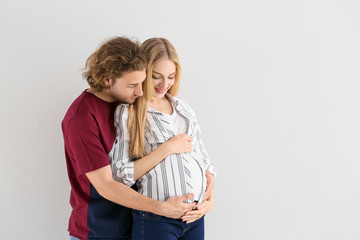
(165, 82)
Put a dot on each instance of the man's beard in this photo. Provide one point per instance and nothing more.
(129, 100)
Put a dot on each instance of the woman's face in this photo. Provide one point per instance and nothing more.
(163, 76)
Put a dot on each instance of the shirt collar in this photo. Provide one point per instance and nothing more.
(172, 99)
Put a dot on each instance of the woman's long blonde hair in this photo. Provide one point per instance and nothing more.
(154, 49)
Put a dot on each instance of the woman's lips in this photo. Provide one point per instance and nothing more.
(160, 91)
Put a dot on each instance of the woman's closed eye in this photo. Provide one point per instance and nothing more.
(159, 77)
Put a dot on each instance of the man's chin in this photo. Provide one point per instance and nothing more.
(130, 101)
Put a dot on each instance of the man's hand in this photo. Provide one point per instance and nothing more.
(202, 209)
(175, 207)
(210, 184)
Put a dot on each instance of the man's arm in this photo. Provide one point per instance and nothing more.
(117, 192)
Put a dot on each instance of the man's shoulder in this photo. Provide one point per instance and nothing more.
(90, 119)
(87, 104)
(78, 106)
(85, 108)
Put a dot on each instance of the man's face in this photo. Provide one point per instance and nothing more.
(128, 87)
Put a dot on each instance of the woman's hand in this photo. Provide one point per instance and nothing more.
(179, 144)
(209, 185)
(202, 209)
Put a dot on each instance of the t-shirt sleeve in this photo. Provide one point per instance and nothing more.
(85, 145)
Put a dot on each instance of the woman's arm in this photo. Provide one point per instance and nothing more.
(210, 184)
(124, 168)
(177, 144)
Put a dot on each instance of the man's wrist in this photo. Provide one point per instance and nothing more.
(160, 208)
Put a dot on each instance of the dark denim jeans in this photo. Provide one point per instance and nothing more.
(148, 226)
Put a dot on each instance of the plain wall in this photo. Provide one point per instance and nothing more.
(275, 85)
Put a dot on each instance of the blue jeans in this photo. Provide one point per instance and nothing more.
(148, 226)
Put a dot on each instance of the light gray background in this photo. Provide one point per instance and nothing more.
(275, 85)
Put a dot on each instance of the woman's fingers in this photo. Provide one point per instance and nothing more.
(200, 211)
(210, 184)
(193, 216)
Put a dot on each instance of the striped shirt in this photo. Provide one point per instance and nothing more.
(172, 176)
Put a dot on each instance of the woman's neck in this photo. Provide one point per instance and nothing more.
(162, 105)
(157, 101)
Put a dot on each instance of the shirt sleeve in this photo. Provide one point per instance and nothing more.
(84, 144)
(121, 164)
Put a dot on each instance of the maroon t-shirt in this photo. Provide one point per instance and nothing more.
(89, 134)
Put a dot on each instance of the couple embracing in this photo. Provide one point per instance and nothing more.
(131, 143)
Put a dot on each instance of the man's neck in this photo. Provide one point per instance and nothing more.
(104, 95)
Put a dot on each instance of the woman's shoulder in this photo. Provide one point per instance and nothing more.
(122, 111)
(122, 107)
(184, 104)
(179, 100)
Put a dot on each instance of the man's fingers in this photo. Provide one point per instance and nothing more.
(188, 206)
(187, 196)
(191, 206)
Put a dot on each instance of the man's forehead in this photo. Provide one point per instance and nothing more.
(133, 76)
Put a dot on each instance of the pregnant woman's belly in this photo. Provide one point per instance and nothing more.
(197, 178)
(176, 175)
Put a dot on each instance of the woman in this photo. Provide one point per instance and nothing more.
(162, 133)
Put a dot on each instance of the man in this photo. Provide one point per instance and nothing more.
(100, 205)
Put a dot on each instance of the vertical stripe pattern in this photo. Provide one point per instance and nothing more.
(172, 176)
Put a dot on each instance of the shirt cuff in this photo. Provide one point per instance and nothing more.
(125, 174)
(212, 170)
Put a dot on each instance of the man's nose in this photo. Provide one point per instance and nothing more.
(139, 91)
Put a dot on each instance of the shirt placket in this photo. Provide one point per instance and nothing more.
(191, 133)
